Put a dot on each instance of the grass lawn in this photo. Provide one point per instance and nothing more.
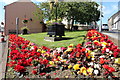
(38, 38)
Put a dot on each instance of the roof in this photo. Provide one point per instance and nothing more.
(114, 14)
(19, 1)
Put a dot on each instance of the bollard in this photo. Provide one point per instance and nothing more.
(2, 37)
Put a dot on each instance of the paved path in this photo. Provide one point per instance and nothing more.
(3, 59)
(114, 36)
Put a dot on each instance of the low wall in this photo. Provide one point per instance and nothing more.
(115, 41)
(83, 27)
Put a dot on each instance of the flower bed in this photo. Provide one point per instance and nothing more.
(99, 57)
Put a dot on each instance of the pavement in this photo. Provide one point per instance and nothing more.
(114, 36)
(3, 59)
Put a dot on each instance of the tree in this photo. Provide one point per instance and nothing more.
(83, 12)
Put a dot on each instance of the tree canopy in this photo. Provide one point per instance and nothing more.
(83, 12)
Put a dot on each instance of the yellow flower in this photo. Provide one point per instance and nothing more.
(38, 50)
(70, 66)
(51, 62)
(66, 76)
(63, 60)
(93, 56)
(103, 44)
(76, 67)
(59, 58)
(117, 60)
(89, 51)
(90, 70)
(88, 57)
(96, 41)
(71, 45)
(82, 69)
(85, 72)
(78, 72)
(43, 51)
(46, 54)
(69, 49)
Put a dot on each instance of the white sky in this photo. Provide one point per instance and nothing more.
(10, 1)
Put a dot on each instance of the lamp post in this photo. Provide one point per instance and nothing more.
(55, 5)
(100, 27)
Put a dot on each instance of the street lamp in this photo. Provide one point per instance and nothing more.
(55, 5)
(100, 27)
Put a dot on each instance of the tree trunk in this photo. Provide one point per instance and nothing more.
(72, 24)
(95, 24)
(68, 25)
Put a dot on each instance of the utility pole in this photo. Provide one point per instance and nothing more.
(100, 27)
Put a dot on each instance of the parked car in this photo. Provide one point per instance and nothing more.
(105, 27)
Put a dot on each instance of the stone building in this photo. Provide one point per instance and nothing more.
(114, 22)
(23, 9)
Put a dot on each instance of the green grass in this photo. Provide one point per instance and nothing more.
(38, 38)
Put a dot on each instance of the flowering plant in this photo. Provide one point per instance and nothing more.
(24, 21)
(95, 58)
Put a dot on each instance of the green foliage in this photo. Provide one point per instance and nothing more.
(51, 22)
(35, 62)
(76, 11)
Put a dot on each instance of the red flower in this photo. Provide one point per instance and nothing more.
(113, 47)
(87, 54)
(34, 71)
(115, 54)
(89, 34)
(95, 38)
(13, 62)
(57, 79)
(111, 69)
(78, 46)
(106, 72)
(19, 68)
(45, 61)
(116, 50)
(35, 48)
(27, 79)
(105, 66)
(109, 41)
(42, 74)
(55, 73)
(10, 65)
(77, 54)
(96, 43)
(38, 54)
(102, 61)
(83, 49)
